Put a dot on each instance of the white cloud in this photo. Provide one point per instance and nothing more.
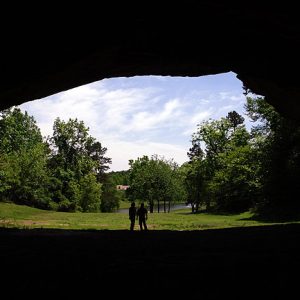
(137, 116)
(232, 97)
(145, 120)
(194, 120)
(122, 152)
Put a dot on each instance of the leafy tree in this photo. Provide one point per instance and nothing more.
(222, 177)
(110, 199)
(278, 141)
(18, 131)
(235, 119)
(235, 184)
(214, 134)
(194, 183)
(23, 177)
(214, 137)
(265, 117)
(76, 158)
(195, 152)
(62, 173)
(153, 179)
(90, 193)
(119, 177)
(96, 152)
(9, 171)
(69, 146)
(33, 178)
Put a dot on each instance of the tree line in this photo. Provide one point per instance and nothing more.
(230, 169)
(64, 172)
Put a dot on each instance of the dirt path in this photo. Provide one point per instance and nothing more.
(240, 263)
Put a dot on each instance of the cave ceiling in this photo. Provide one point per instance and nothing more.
(43, 54)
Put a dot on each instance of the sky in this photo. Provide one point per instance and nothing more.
(142, 115)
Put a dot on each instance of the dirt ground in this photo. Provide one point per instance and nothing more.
(253, 262)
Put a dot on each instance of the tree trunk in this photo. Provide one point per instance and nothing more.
(151, 206)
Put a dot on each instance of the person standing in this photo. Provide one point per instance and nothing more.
(142, 215)
(132, 215)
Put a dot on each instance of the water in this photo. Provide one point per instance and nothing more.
(161, 207)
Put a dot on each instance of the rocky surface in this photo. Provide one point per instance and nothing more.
(45, 53)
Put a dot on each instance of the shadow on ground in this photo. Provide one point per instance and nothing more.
(238, 262)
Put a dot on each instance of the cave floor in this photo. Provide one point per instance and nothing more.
(250, 262)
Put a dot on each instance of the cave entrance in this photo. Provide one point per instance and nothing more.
(142, 115)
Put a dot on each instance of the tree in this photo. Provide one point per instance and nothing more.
(119, 177)
(24, 176)
(90, 193)
(194, 183)
(96, 152)
(278, 141)
(152, 179)
(195, 152)
(76, 158)
(68, 146)
(18, 131)
(223, 176)
(214, 135)
(110, 199)
(235, 119)
(235, 184)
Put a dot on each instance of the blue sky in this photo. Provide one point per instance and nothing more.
(142, 115)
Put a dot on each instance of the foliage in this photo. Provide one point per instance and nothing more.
(230, 170)
(62, 173)
(119, 177)
(235, 119)
(23, 158)
(90, 193)
(153, 179)
(194, 183)
(222, 174)
(278, 141)
(78, 162)
(17, 131)
(110, 197)
(234, 185)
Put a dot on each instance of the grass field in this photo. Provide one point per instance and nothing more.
(19, 216)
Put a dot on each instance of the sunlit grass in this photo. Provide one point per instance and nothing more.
(19, 216)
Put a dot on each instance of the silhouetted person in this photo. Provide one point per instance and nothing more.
(142, 215)
(132, 215)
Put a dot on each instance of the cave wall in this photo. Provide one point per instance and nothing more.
(53, 50)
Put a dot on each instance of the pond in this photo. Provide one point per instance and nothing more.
(161, 207)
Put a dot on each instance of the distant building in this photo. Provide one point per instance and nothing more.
(122, 187)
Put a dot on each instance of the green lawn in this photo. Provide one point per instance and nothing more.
(12, 215)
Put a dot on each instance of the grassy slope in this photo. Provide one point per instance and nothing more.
(12, 215)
